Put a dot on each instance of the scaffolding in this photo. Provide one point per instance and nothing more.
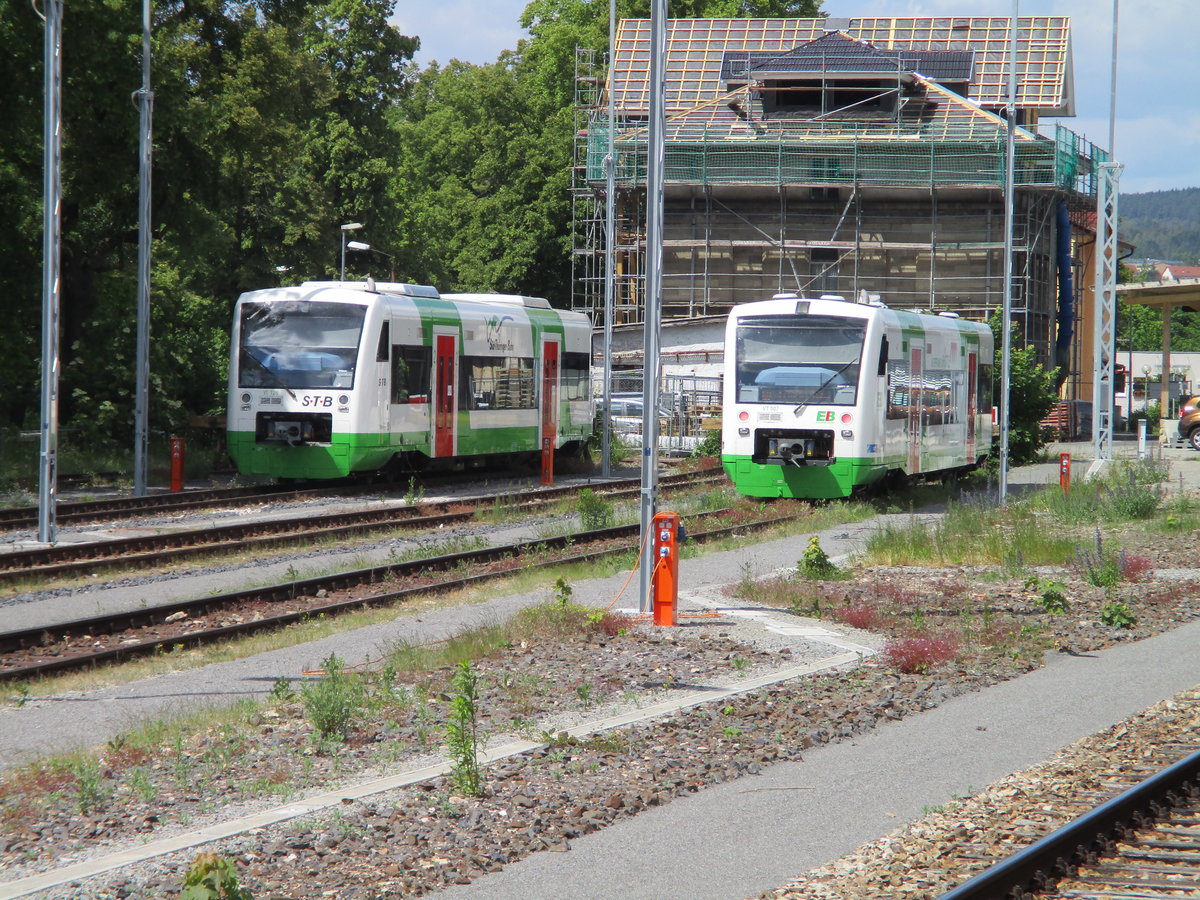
(865, 203)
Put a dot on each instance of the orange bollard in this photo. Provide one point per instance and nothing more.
(1064, 472)
(664, 583)
(176, 464)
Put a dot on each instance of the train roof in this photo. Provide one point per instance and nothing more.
(827, 304)
(344, 291)
(401, 288)
(505, 299)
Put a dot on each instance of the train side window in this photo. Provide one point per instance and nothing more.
(883, 356)
(411, 367)
(898, 390)
(576, 376)
(381, 352)
(986, 401)
(498, 382)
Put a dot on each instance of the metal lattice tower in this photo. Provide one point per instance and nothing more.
(1104, 336)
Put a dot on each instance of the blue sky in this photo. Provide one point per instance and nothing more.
(1158, 65)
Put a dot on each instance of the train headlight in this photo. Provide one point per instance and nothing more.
(245, 398)
(343, 399)
(743, 432)
(848, 434)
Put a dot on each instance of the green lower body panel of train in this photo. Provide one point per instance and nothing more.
(343, 455)
(818, 482)
(346, 454)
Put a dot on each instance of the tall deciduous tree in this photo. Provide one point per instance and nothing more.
(269, 128)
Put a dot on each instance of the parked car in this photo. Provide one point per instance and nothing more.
(1189, 421)
(627, 412)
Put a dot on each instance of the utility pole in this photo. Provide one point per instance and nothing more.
(653, 313)
(141, 392)
(51, 270)
(1009, 204)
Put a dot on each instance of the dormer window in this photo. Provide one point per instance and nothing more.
(808, 96)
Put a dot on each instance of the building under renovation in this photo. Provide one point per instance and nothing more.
(846, 156)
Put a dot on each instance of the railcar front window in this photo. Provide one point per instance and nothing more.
(299, 344)
(799, 359)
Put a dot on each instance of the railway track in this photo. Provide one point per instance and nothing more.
(25, 518)
(1142, 844)
(33, 652)
(93, 556)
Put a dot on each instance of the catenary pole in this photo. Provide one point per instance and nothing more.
(610, 255)
(51, 266)
(1104, 292)
(1009, 198)
(653, 307)
(141, 403)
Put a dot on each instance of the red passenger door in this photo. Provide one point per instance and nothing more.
(443, 408)
(916, 409)
(972, 390)
(549, 395)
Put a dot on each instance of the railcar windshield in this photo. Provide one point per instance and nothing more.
(299, 344)
(799, 359)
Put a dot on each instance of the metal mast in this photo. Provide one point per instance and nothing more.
(51, 265)
(1009, 203)
(141, 394)
(654, 225)
(610, 261)
(1104, 334)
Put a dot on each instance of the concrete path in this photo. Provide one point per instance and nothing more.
(740, 838)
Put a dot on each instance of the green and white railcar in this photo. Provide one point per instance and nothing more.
(329, 379)
(824, 396)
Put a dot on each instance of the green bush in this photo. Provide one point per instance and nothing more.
(815, 563)
(594, 511)
(710, 445)
(1032, 394)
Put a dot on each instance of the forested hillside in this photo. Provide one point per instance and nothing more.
(1163, 224)
(274, 123)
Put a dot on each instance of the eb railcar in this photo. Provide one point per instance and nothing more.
(824, 396)
(329, 379)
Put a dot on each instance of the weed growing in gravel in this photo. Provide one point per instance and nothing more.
(1052, 598)
(213, 877)
(595, 512)
(332, 703)
(415, 493)
(91, 792)
(816, 565)
(462, 732)
(1117, 614)
(918, 654)
(857, 615)
(1099, 567)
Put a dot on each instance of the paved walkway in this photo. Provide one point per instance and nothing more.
(740, 838)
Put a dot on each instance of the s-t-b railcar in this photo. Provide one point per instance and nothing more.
(824, 396)
(329, 379)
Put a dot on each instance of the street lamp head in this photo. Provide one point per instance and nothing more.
(357, 245)
(352, 226)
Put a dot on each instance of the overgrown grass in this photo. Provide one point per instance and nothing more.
(971, 533)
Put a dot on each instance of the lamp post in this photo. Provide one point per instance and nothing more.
(359, 245)
(351, 226)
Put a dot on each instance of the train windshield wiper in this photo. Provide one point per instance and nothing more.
(824, 384)
(275, 380)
